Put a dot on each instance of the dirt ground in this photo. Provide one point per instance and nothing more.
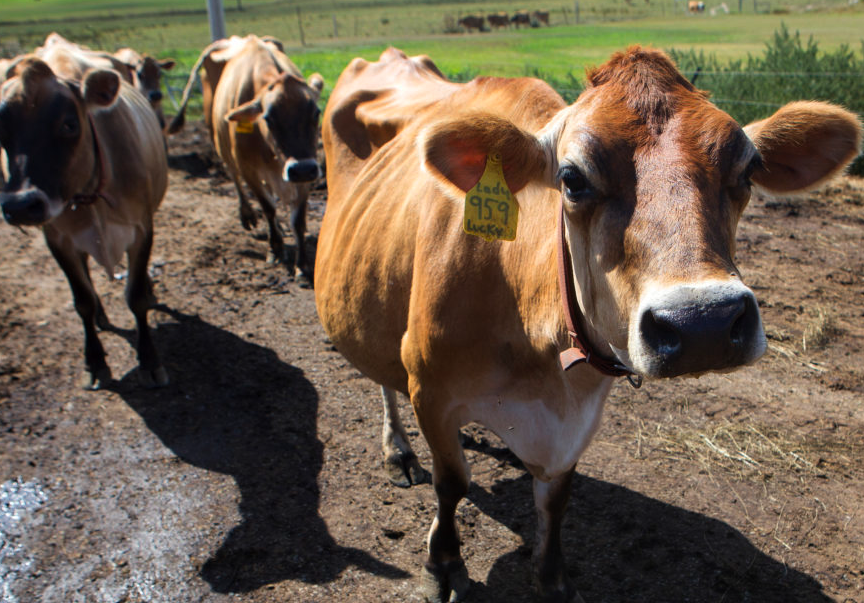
(256, 475)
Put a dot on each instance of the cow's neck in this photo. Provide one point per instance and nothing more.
(101, 178)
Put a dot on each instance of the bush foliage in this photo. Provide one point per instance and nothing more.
(789, 69)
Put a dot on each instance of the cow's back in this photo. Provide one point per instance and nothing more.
(413, 261)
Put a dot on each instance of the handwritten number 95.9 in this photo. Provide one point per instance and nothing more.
(486, 206)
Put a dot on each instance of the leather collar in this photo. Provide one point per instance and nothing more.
(580, 350)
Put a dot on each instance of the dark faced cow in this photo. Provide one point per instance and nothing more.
(146, 74)
(472, 22)
(263, 118)
(86, 162)
(623, 261)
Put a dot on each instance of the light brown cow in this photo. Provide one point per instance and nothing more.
(71, 60)
(263, 118)
(498, 20)
(638, 185)
(472, 22)
(87, 163)
(146, 72)
(540, 16)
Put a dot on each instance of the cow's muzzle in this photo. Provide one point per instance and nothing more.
(692, 329)
(302, 170)
(155, 96)
(27, 208)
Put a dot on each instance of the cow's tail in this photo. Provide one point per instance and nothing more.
(180, 119)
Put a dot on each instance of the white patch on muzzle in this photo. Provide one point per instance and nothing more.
(729, 339)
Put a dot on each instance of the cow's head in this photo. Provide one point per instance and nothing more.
(46, 134)
(286, 112)
(653, 179)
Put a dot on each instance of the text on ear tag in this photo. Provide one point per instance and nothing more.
(491, 210)
(245, 127)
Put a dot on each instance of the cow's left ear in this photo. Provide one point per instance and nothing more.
(101, 87)
(457, 150)
(246, 112)
(166, 64)
(803, 145)
(316, 82)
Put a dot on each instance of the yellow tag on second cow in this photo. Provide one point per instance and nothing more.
(491, 210)
(245, 127)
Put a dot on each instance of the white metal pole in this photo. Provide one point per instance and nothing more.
(217, 19)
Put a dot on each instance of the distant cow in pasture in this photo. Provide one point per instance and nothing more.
(87, 163)
(522, 17)
(540, 16)
(472, 22)
(605, 248)
(263, 119)
(498, 20)
(146, 74)
(696, 7)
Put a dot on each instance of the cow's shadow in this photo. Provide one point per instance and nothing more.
(623, 546)
(233, 407)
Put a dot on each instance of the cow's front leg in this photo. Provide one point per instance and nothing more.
(88, 306)
(298, 229)
(277, 253)
(401, 464)
(444, 576)
(151, 373)
(550, 570)
(248, 217)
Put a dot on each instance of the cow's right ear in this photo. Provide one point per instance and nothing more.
(316, 82)
(101, 87)
(456, 150)
(246, 112)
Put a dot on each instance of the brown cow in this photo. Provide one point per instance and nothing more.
(87, 163)
(263, 118)
(540, 16)
(472, 22)
(521, 18)
(498, 20)
(638, 186)
(146, 74)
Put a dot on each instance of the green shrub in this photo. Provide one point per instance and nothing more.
(789, 69)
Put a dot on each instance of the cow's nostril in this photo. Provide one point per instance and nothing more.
(660, 334)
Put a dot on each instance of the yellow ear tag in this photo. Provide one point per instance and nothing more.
(491, 210)
(245, 127)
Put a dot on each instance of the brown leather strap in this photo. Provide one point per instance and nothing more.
(581, 351)
(99, 193)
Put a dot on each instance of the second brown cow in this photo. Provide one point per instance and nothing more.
(263, 119)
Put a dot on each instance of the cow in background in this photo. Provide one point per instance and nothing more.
(72, 59)
(521, 18)
(540, 16)
(146, 72)
(498, 20)
(472, 22)
(263, 120)
(623, 263)
(87, 163)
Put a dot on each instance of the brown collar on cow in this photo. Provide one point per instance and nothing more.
(99, 193)
(581, 350)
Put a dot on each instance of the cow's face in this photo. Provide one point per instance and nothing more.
(287, 114)
(653, 179)
(46, 135)
(653, 183)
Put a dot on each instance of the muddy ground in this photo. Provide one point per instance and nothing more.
(256, 475)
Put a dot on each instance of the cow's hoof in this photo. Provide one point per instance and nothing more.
(304, 280)
(248, 220)
(158, 377)
(96, 379)
(447, 583)
(562, 592)
(102, 322)
(275, 257)
(404, 470)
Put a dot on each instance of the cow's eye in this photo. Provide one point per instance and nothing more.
(69, 127)
(747, 174)
(573, 182)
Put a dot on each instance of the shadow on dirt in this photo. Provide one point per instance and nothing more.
(235, 408)
(623, 546)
